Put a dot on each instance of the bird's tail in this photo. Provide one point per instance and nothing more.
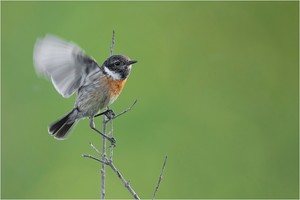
(60, 128)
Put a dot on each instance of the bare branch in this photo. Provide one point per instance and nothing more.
(126, 183)
(92, 157)
(103, 158)
(125, 111)
(95, 149)
(111, 134)
(104, 132)
(160, 178)
(118, 115)
(107, 161)
(112, 43)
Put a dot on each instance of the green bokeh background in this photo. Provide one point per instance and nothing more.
(217, 84)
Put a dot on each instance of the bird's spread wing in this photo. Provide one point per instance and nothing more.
(64, 63)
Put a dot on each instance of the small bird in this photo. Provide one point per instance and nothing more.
(71, 70)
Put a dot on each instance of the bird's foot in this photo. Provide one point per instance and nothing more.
(112, 141)
(110, 114)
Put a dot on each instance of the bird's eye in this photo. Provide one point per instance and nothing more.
(117, 63)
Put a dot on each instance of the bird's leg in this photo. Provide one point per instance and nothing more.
(108, 113)
(92, 125)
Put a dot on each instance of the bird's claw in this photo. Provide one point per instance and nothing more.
(110, 114)
(112, 141)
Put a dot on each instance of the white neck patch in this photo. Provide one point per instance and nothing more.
(114, 75)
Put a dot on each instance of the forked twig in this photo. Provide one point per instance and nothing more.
(108, 161)
(112, 166)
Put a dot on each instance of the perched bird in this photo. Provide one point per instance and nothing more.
(70, 71)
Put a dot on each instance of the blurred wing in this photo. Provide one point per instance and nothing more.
(64, 63)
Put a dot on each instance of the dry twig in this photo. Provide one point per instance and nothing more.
(108, 161)
(125, 111)
(103, 153)
(104, 122)
(160, 178)
(112, 43)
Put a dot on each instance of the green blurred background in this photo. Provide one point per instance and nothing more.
(217, 84)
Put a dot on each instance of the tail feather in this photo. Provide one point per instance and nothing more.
(61, 127)
(55, 126)
(62, 132)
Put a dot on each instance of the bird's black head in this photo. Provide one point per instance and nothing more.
(118, 66)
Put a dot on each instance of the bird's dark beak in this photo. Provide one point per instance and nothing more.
(132, 62)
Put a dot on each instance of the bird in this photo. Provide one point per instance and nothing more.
(71, 71)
